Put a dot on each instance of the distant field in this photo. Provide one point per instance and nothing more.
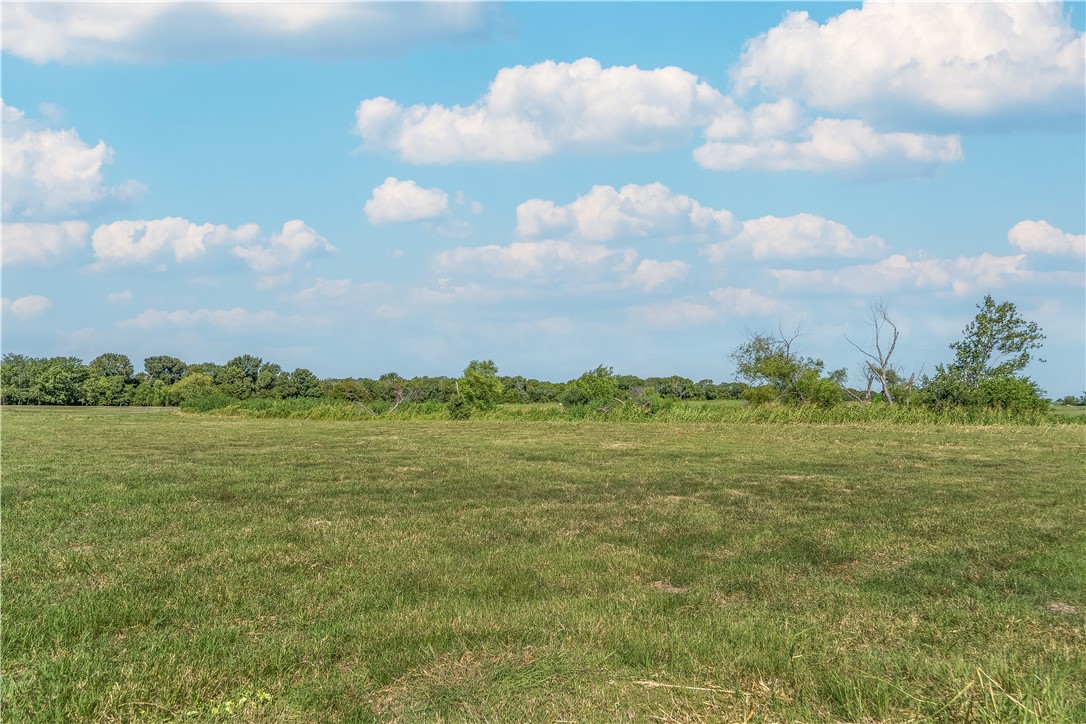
(163, 566)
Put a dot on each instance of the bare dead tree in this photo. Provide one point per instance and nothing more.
(869, 378)
(398, 397)
(397, 394)
(876, 364)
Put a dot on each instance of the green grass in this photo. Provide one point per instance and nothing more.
(162, 566)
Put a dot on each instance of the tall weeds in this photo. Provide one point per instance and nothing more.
(323, 409)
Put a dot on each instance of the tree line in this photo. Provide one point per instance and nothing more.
(986, 371)
(110, 379)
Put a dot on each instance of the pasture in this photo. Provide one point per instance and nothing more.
(164, 566)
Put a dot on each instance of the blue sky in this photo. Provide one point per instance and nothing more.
(361, 188)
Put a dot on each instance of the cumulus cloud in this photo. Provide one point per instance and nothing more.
(26, 307)
(534, 111)
(323, 290)
(120, 297)
(286, 248)
(651, 274)
(445, 293)
(745, 302)
(236, 319)
(530, 112)
(164, 31)
(676, 313)
(144, 241)
(606, 213)
(141, 241)
(538, 260)
(396, 201)
(794, 237)
(833, 145)
(963, 60)
(1044, 238)
(963, 275)
(41, 244)
(50, 174)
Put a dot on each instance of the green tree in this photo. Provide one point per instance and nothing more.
(232, 380)
(192, 386)
(270, 380)
(598, 387)
(778, 374)
(111, 364)
(152, 393)
(107, 382)
(995, 347)
(303, 383)
(996, 343)
(105, 390)
(248, 364)
(60, 382)
(17, 372)
(480, 386)
(165, 368)
(675, 386)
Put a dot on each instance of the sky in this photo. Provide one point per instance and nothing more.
(364, 188)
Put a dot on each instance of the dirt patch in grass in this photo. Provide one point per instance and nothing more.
(1064, 608)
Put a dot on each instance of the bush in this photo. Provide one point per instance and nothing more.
(459, 407)
(597, 388)
(211, 402)
(1011, 394)
(760, 395)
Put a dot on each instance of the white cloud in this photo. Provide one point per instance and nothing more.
(604, 214)
(383, 300)
(539, 260)
(446, 293)
(25, 243)
(455, 228)
(794, 237)
(120, 297)
(324, 289)
(676, 313)
(966, 59)
(534, 111)
(162, 31)
(530, 112)
(272, 281)
(395, 201)
(236, 319)
(963, 275)
(49, 174)
(295, 241)
(833, 145)
(745, 302)
(26, 307)
(651, 274)
(142, 240)
(1043, 237)
(474, 206)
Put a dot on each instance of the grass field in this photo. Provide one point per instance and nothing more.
(162, 566)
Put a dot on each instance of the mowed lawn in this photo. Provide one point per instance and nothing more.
(165, 566)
